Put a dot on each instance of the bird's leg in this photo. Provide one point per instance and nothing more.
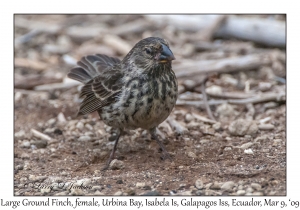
(166, 155)
(112, 154)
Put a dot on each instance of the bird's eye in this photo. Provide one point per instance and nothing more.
(148, 51)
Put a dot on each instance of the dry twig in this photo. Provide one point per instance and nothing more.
(40, 135)
(208, 110)
(241, 63)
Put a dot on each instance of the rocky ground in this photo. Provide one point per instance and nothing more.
(240, 150)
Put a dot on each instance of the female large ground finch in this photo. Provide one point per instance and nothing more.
(138, 92)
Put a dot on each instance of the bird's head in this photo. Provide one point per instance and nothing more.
(151, 52)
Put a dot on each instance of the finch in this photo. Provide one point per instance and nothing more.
(138, 92)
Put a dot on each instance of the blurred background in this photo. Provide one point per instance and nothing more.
(48, 45)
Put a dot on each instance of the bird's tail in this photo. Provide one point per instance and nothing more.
(91, 66)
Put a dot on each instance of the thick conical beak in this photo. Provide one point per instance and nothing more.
(166, 55)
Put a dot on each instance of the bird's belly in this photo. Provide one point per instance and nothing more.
(139, 113)
(141, 105)
(148, 118)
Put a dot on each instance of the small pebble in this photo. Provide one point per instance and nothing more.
(240, 192)
(51, 121)
(84, 182)
(19, 167)
(256, 186)
(199, 184)
(246, 145)
(199, 192)
(215, 186)
(228, 79)
(243, 127)
(240, 187)
(94, 188)
(192, 155)
(204, 141)
(227, 149)
(40, 143)
(214, 90)
(241, 182)
(119, 181)
(62, 193)
(84, 138)
(140, 184)
(227, 186)
(88, 126)
(79, 125)
(225, 111)
(25, 144)
(228, 138)
(116, 164)
(257, 193)
(217, 126)
(193, 125)
(130, 192)
(45, 191)
(20, 134)
(264, 86)
(249, 190)
(248, 151)
(188, 118)
(76, 191)
(186, 193)
(207, 186)
(98, 193)
(210, 192)
(32, 177)
(266, 127)
(25, 155)
(61, 118)
(118, 193)
(261, 139)
(272, 193)
(152, 193)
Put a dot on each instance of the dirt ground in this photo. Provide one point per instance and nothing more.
(241, 152)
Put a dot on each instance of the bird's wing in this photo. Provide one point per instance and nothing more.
(100, 91)
(91, 66)
(102, 76)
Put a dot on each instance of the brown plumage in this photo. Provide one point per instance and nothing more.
(138, 92)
